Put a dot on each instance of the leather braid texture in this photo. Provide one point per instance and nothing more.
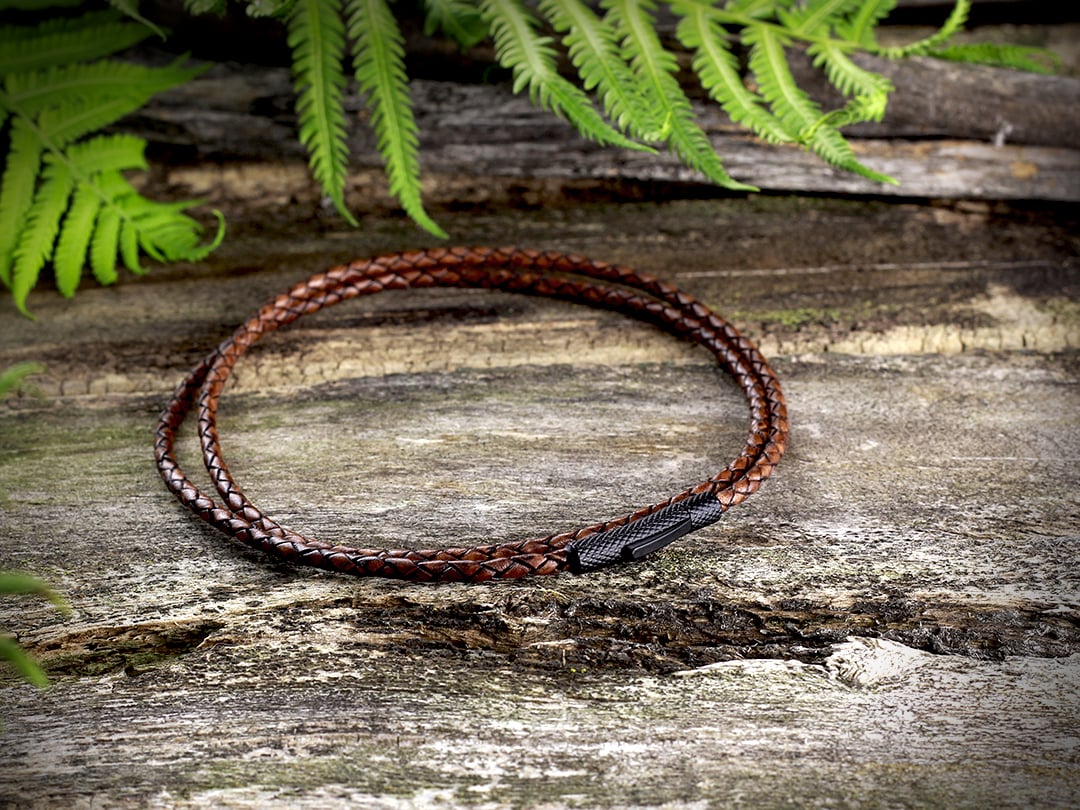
(548, 274)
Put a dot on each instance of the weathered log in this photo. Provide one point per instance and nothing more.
(926, 511)
(957, 132)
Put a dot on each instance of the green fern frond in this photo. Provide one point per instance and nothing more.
(37, 237)
(66, 41)
(70, 254)
(197, 7)
(17, 189)
(845, 75)
(57, 201)
(593, 48)
(531, 59)
(767, 60)
(1018, 57)
(27, 668)
(11, 380)
(104, 245)
(161, 230)
(106, 153)
(935, 41)
(798, 112)
(379, 63)
(655, 68)
(60, 125)
(718, 69)
(130, 9)
(814, 16)
(316, 35)
(868, 91)
(458, 19)
(270, 8)
(859, 27)
(33, 91)
(17, 582)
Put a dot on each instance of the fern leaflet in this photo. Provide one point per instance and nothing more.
(718, 70)
(316, 35)
(655, 67)
(38, 235)
(531, 59)
(594, 51)
(1034, 60)
(34, 91)
(859, 27)
(458, 19)
(17, 189)
(794, 107)
(66, 41)
(70, 254)
(814, 16)
(952, 25)
(104, 245)
(379, 62)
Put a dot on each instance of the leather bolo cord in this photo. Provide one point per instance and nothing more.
(548, 274)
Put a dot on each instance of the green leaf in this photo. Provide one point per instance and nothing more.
(316, 35)
(129, 247)
(718, 69)
(31, 92)
(845, 75)
(27, 668)
(1018, 57)
(103, 246)
(860, 25)
(458, 19)
(18, 582)
(59, 126)
(795, 108)
(11, 379)
(130, 8)
(769, 64)
(66, 41)
(38, 235)
(531, 59)
(816, 16)
(197, 7)
(655, 68)
(379, 63)
(270, 8)
(594, 51)
(17, 190)
(935, 41)
(78, 227)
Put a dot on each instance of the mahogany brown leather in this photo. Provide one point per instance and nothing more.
(549, 274)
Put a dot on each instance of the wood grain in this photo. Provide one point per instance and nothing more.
(893, 620)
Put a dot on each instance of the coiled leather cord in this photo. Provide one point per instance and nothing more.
(548, 274)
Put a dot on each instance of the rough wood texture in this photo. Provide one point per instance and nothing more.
(952, 130)
(893, 621)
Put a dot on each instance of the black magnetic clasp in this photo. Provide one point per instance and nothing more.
(633, 541)
(656, 539)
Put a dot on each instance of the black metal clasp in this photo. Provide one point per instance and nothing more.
(633, 541)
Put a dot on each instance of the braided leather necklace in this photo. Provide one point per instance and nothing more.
(549, 274)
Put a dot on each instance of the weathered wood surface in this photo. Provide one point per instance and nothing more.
(927, 510)
(951, 130)
(996, 135)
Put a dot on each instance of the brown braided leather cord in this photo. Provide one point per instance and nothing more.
(548, 274)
